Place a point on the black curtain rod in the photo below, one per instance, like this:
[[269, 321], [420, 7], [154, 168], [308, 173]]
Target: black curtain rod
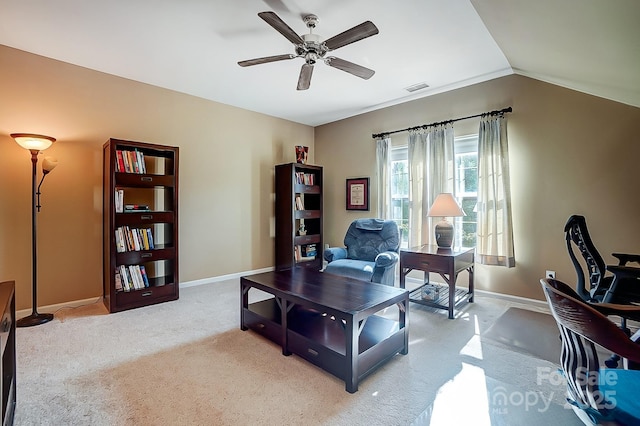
[[425, 126]]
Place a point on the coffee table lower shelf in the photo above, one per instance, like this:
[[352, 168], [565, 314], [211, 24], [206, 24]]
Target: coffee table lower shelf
[[321, 339]]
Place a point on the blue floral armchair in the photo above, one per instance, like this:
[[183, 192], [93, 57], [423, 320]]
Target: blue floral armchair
[[371, 252]]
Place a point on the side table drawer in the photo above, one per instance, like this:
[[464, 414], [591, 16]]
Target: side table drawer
[[424, 263]]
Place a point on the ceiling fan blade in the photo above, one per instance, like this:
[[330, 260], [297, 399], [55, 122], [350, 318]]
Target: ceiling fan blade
[[274, 20], [304, 81], [364, 30], [350, 67], [265, 60]]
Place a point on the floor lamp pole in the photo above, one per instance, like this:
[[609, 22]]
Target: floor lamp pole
[[35, 318]]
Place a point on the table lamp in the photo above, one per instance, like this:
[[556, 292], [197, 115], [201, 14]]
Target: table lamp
[[445, 206]]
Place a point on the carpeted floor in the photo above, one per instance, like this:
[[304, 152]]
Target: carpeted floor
[[530, 332], [188, 363]]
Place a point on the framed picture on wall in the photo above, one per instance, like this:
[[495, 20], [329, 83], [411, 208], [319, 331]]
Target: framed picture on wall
[[358, 194]]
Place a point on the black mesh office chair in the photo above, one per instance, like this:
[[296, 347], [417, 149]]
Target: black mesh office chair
[[620, 286]]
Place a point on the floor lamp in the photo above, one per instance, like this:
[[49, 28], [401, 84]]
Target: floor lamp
[[35, 144]]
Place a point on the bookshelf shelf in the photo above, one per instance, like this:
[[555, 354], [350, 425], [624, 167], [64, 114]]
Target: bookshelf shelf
[[298, 201], [140, 224]]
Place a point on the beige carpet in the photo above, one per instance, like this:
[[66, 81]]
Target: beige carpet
[[188, 363], [531, 332]]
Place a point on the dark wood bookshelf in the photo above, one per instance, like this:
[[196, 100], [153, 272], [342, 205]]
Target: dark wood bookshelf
[[289, 217], [8, 344], [155, 185]]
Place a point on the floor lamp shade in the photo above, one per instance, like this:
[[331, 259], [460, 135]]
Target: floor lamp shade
[[445, 206], [35, 143]]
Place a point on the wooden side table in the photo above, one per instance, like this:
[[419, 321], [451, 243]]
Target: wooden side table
[[446, 262]]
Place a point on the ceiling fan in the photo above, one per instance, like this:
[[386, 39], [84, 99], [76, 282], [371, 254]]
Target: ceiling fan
[[311, 49]]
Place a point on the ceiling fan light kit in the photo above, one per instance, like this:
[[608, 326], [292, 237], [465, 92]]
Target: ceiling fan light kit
[[311, 49]]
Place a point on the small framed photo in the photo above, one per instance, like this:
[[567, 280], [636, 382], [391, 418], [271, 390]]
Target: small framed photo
[[358, 194]]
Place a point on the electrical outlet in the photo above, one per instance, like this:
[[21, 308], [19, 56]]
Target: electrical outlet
[[550, 274]]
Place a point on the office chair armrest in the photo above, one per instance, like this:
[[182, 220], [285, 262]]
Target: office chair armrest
[[623, 258], [624, 271], [624, 311]]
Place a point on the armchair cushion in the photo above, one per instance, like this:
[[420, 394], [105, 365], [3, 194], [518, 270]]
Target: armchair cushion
[[358, 269]]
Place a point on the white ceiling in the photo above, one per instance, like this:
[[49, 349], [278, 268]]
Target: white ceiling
[[193, 46]]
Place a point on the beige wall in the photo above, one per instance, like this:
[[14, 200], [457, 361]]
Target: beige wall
[[570, 153], [227, 159]]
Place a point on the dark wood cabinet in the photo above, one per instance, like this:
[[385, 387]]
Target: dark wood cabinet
[[8, 344], [298, 216], [140, 224]]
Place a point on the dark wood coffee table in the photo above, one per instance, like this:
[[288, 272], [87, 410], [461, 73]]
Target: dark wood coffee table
[[328, 320]]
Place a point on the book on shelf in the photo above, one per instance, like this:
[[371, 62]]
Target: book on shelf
[[300, 254], [305, 178], [145, 277], [136, 208], [118, 281], [299, 203], [125, 278], [119, 200], [309, 250], [136, 239], [128, 161], [131, 277]]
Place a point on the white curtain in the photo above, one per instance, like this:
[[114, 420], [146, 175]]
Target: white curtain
[[495, 231], [431, 171], [383, 168]]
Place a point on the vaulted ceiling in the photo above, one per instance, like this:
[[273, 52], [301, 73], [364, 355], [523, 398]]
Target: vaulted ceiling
[[193, 46]]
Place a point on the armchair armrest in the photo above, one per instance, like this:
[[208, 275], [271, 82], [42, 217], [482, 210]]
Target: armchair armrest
[[335, 253], [623, 258], [387, 259]]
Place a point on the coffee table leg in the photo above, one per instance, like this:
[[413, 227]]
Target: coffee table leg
[[351, 332], [471, 289], [244, 303], [285, 306], [404, 312]]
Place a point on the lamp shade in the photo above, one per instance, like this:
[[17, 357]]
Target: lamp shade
[[33, 142], [445, 206], [49, 164]]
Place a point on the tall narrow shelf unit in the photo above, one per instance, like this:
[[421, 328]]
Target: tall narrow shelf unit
[[298, 201], [140, 224], [8, 345]]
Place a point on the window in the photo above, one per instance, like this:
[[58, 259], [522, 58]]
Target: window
[[466, 190], [400, 193]]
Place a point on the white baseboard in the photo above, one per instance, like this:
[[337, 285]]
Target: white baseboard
[[76, 303], [223, 277], [50, 309], [535, 302]]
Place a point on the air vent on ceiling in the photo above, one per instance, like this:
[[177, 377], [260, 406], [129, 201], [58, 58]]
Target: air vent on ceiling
[[416, 87]]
